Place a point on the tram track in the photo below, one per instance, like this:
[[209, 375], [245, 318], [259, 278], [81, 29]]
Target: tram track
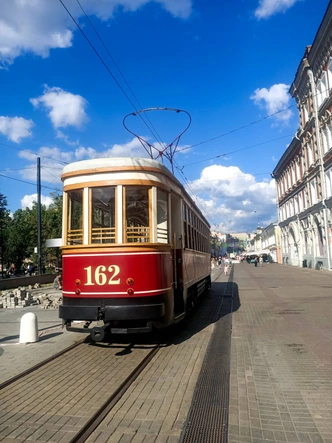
[[99, 416], [39, 365], [69, 394]]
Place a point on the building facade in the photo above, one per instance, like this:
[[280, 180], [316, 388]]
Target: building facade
[[266, 240], [304, 173]]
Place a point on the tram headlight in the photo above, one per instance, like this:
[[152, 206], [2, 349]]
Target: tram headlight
[[130, 281], [77, 282]]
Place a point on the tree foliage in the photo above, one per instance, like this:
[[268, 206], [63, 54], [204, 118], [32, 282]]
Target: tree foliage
[[21, 237]]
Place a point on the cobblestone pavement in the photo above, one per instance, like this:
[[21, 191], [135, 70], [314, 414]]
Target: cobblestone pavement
[[281, 356], [15, 357]]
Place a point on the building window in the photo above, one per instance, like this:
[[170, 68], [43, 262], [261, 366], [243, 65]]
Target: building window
[[293, 174], [300, 198], [327, 137], [310, 154], [296, 205], [322, 88], [298, 171], [328, 182], [313, 192], [305, 112], [329, 73]]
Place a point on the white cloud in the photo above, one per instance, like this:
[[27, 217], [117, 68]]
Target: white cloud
[[65, 138], [53, 159], [229, 198], [32, 26], [28, 200], [130, 149], [15, 128], [37, 26], [66, 109], [274, 101], [267, 8]]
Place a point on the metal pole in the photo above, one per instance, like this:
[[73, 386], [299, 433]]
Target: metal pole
[[40, 270], [1, 237]]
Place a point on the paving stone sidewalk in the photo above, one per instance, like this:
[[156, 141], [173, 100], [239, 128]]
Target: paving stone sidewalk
[[281, 356], [16, 357]]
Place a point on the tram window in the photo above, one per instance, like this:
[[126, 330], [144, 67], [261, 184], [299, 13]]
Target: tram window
[[162, 216], [137, 214], [103, 215], [75, 217]]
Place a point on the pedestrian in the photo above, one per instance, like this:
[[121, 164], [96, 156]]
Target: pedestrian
[[226, 266], [256, 261], [261, 261], [58, 282], [219, 262], [30, 269]]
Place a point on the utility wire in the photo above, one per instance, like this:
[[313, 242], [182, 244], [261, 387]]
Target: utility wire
[[241, 127], [157, 136], [238, 150], [106, 66], [29, 183], [33, 153]]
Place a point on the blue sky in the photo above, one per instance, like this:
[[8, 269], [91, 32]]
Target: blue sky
[[229, 64]]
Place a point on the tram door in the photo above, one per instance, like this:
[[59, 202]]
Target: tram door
[[176, 226]]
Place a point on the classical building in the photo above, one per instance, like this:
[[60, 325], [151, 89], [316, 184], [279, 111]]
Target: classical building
[[304, 173], [265, 240]]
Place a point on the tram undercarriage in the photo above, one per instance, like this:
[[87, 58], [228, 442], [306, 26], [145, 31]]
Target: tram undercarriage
[[130, 318]]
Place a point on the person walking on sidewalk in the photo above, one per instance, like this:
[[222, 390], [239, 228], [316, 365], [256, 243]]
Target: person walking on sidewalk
[[226, 266], [260, 260]]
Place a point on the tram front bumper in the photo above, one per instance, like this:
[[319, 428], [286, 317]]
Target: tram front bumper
[[112, 313]]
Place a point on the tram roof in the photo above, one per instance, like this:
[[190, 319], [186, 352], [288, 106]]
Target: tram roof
[[114, 162]]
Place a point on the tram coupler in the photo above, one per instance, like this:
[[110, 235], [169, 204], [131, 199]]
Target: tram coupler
[[97, 333]]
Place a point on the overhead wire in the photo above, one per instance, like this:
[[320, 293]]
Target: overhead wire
[[28, 183], [106, 66], [34, 153], [157, 136], [241, 127], [237, 150]]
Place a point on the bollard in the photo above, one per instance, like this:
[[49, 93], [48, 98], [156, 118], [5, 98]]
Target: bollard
[[29, 328]]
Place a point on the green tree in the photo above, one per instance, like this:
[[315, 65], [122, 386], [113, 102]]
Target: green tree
[[22, 237], [23, 233], [4, 221]]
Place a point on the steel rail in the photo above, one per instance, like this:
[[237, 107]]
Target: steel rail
[[93, 423], [39, 365]]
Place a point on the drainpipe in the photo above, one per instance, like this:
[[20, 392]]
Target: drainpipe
[[321, 162]]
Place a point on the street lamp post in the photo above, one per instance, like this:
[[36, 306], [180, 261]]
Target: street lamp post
[[257, 218], [1, 239]]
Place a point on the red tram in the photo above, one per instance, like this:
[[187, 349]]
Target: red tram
[[135, 246]]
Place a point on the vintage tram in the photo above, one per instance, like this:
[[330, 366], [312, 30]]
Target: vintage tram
[[135, 251]]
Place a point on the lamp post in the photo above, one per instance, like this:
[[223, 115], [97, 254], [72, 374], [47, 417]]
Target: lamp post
[[257, 218], [1, 239]]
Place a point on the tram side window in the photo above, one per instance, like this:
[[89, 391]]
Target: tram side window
[[75, 217], [185, 226], [103, 215], [137, 214], [162, 216]]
